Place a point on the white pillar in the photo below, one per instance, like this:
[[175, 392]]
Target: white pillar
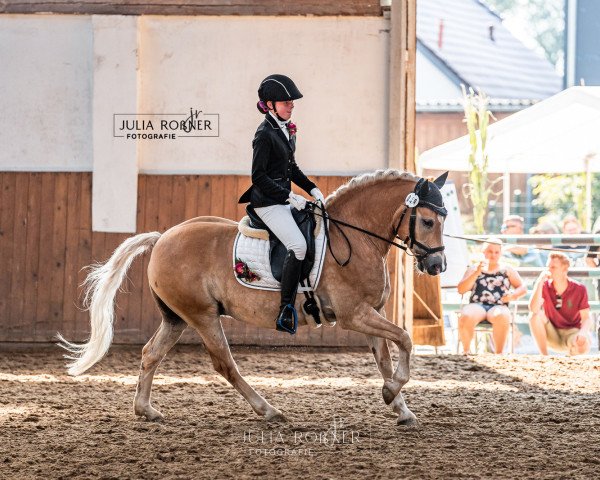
[[115, 88], [588, 193], [506, 195]]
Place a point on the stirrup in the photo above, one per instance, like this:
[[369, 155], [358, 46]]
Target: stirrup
[[280, 326]]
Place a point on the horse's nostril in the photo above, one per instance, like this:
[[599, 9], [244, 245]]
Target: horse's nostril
[[434, 269]]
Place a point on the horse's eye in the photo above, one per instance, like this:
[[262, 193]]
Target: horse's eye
[[427, 222]]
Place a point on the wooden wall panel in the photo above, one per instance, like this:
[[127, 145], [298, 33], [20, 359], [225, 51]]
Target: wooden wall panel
[[46, 241]]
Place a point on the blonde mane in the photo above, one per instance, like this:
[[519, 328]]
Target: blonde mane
[[369, 178]]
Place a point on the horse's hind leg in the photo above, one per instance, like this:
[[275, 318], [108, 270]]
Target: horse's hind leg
[[211, 331], [170, 330]]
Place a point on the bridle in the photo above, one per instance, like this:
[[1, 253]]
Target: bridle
[[413, 201]]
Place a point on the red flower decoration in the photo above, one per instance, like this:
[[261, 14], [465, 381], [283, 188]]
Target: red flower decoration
[[243, 271], [292, 128]]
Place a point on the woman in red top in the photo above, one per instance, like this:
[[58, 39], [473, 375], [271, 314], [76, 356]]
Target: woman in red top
[[560, 312]]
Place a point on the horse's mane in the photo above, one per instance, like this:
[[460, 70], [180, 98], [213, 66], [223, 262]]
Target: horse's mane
[[369, 178]]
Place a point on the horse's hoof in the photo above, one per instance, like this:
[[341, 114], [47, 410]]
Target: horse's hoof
[[150, 414], [388, 396], [155, 417], [276, 418], [408, 422]]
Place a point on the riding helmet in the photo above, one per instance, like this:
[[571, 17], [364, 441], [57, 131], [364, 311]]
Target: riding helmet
[[278, 88]]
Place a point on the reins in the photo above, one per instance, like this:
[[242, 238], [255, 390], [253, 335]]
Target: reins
[[337, 222], [412, 201]]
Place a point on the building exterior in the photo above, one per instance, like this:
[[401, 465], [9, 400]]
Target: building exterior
[[463, 42]]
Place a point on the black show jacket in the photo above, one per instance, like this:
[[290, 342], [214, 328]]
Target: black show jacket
[[273, 167]]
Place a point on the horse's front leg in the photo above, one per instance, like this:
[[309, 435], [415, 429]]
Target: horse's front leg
[[377, 328]]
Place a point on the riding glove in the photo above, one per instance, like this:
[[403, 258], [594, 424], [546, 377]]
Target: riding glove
[[297, 201], [318, 195]]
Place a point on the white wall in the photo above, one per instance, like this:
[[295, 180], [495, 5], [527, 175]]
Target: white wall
[[45, 92], [63, 77], [216, 64]]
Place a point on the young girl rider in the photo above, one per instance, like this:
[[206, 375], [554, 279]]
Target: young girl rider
[[273, 170]]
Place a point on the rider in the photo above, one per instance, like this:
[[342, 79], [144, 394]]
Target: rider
[[273, 170]]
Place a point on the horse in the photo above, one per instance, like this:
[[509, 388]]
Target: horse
[[192, 282]]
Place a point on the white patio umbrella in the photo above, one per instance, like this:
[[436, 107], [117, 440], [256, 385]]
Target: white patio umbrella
[[558, 135]]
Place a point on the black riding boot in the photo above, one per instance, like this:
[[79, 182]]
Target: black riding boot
[[287, 320]]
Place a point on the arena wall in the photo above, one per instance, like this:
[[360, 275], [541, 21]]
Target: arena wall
[[71, 191], [46, 239]]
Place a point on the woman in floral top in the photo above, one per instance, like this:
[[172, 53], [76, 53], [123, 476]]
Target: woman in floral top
[[492, 286]]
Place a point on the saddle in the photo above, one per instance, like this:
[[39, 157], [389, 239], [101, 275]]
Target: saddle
[[305, 220]]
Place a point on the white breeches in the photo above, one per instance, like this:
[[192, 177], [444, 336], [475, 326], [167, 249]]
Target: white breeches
[[279, 219]]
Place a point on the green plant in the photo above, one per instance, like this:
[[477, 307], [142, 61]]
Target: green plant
[[562, 194], [478, 189]]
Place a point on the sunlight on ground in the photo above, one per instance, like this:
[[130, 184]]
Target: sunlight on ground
[[333, 382], [5, 411]]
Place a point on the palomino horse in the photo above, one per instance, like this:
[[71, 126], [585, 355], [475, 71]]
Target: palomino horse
[[191, 277]]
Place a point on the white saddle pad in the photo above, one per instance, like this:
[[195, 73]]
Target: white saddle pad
[[252, 247]]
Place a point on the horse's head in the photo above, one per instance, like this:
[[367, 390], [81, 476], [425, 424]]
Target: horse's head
[[426, 225], [428, 231]]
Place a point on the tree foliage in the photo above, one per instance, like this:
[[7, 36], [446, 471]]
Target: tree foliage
[[565, 194], [545, 18]]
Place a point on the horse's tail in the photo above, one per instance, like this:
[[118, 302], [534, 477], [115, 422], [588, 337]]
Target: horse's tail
[[101, 287]]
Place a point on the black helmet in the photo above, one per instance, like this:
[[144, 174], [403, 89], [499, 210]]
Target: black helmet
[[278, 88]]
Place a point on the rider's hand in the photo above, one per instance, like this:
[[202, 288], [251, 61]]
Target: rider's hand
[[297, 201], [318, 195]]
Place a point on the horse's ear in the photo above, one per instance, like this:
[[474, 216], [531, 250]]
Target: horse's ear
[[424, 189], [441, 180]]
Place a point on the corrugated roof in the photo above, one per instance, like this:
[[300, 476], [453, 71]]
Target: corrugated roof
[[503, 68]]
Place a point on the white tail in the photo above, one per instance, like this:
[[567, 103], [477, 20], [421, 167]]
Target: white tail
[[101, 287]]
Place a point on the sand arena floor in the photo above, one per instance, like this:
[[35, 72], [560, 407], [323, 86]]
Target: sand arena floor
[[480, 417]]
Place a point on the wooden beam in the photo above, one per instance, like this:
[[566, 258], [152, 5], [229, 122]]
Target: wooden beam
[[197, 7], [401, 139], [410, 99], [397, 84]]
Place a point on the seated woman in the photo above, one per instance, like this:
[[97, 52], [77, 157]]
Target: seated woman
[[490, 285]]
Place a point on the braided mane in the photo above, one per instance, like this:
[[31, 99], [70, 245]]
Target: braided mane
[[367, 179]]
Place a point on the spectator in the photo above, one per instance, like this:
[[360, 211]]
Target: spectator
[[570, 225], [592, 259], [544, 228], [560, 312], [514, 254], [490, 284]]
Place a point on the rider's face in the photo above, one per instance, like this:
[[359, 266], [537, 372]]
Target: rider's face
[[284, 109]]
